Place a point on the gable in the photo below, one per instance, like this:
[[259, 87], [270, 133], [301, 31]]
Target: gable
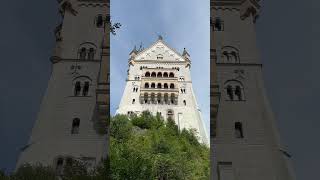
[[159, 51]]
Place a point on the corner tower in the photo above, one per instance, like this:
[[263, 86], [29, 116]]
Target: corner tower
[[245, 141], [159, 81], [69, 120]]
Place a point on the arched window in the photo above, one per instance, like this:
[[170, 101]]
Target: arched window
[[153, 74], [173, 98], [87, 51], [159, 98], [185, 102], [159, 74], [146, 85], [230, 55], [165, 74], [238, 93], [166, 98], [171, 86], [145, 98], [85, 89], [153, 85], [99, 21], [59, 166], [147, 74], [133, 101], [75, 126], [171, 74], [238, 133], [153, 100], [81, 85], [234, 90], [91, 54], [83, 53], [159, 86], [230, 92], [165, 86], [77, 88]]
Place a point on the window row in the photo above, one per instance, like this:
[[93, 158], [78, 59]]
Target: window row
[[234, 91], [86, 54], [159, 99], [159, 85], [159, 74]]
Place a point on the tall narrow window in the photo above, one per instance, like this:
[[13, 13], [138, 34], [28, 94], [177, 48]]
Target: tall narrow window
[[75, 126], [238, 130], [159, 98], [145, 98], [85, 91], [83, 53], [91, 54], [230, 92], [166, 98], [185, 102], [133, 101], [238, 93], [77, 88], [59, 166], [173, 98], [153, 100], [99, 21]]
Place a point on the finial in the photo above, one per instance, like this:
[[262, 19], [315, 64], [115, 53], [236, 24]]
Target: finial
[[141, 47], [185, 52], [160, 37], [134, 50]]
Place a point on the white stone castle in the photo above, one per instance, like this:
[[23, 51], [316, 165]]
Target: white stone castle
[[159, 81], [76, 100], [244, 139]]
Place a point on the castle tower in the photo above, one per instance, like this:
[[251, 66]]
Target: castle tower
[[159, 81], [245, 142], [69, 120]]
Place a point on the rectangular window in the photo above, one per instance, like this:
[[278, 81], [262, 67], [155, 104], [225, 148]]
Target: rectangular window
[[225, 171], [238, 130]]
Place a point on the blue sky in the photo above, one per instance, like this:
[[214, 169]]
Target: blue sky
[[182, 23]]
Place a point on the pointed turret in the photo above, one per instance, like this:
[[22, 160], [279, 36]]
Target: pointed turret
[[133, 53], [185, 54]]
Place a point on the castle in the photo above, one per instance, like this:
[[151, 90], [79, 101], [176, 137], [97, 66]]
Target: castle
[[159, 81]]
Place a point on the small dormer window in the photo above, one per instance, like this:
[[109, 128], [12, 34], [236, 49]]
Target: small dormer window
[[160, 56]]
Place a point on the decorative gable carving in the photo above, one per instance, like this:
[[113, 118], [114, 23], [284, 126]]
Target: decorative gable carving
[[159, 51]]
